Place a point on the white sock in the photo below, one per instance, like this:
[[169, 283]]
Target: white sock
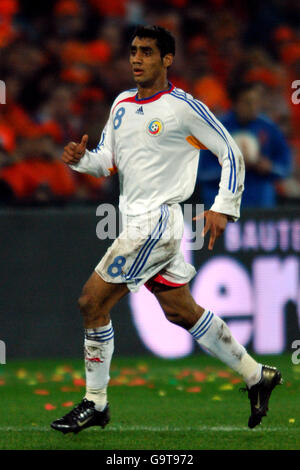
[[98, 351], [212, 332]]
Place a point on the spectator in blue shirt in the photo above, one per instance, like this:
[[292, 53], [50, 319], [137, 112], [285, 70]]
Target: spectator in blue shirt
[[266, 153]]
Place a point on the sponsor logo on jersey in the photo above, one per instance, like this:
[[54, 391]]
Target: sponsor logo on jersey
[[155, 127], [140, 110]]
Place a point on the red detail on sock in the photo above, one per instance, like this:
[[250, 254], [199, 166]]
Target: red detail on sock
[[94, 359]]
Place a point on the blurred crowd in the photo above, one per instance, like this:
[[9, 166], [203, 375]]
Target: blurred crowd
[[63, 62]]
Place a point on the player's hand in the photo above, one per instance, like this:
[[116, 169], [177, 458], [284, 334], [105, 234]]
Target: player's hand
[[215, 222], [263, 166], [74, 152]]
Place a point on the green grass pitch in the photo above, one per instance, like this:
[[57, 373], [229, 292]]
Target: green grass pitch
[[187, 404]]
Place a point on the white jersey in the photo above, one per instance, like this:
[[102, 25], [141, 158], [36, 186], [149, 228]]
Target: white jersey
[[154, 145]]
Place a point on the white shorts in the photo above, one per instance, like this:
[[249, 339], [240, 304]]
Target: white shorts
[[148, 250]]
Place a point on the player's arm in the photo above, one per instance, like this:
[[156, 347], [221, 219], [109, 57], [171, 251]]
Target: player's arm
[[212, 135]]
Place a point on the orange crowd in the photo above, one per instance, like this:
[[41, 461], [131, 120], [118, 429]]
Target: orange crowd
[[63, 62]]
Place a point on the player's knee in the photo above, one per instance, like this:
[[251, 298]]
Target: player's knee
[[90, 308], [85, 304]]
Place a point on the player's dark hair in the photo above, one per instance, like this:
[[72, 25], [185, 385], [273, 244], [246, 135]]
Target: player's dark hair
[[164, 39], [236, 90]]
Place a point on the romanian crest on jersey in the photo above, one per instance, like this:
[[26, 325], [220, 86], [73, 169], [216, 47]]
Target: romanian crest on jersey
[[155, 127]]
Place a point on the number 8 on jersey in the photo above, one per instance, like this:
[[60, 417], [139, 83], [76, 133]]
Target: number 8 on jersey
[[118, 118]]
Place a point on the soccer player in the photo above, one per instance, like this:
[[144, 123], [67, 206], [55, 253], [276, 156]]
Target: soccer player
[[271, 161], [152, 138]]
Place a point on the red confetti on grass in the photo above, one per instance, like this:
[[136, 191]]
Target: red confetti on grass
[[136, 382], [194, 389], [68, 403], [41, 392], [235, 381], [199, 376], [120, 380], [113, 382], [49, 407], [224, 374], [79, 382], [128, 371], [184, 373], [69, 389], [2, 382]]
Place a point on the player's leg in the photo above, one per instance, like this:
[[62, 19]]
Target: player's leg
[[211, 331], [208, 329], [97, 299]]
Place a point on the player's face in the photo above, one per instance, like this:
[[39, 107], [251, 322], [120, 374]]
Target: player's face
[[146, 62], [247, 106]]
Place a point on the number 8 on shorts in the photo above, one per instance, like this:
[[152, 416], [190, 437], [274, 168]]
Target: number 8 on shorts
[[115, 268]]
